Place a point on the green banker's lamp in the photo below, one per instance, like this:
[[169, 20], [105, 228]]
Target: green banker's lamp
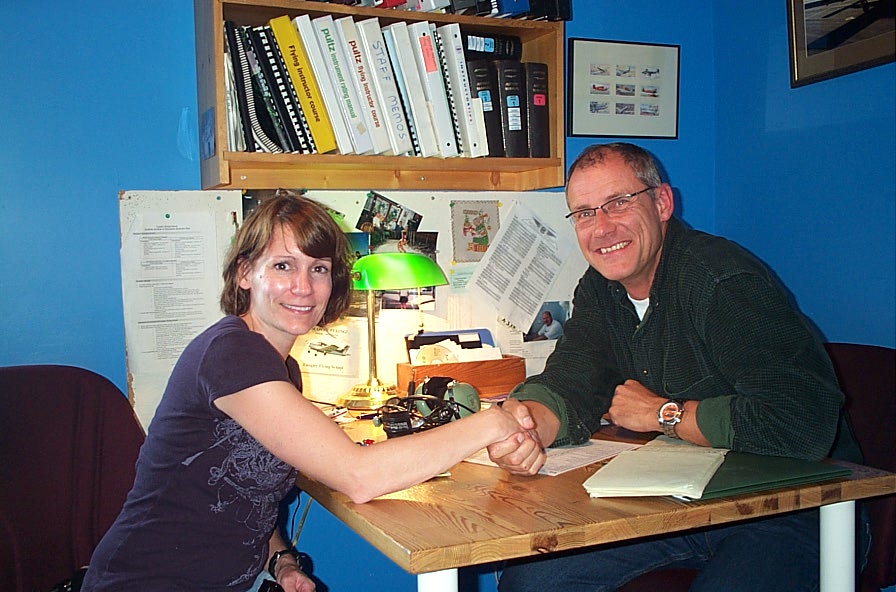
[[377, 272]]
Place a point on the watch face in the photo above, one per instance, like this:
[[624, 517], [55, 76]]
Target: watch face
[[670, 412]]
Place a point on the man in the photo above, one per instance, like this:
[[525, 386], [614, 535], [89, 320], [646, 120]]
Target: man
[[549, 329], [685, 333]]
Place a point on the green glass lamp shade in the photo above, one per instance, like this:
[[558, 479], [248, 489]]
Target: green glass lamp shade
[[396, 271], [377, 272]]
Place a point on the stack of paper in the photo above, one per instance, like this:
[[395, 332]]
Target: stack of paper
[[660, 467]]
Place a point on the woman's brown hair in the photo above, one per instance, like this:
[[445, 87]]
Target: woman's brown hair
[[316, 235]]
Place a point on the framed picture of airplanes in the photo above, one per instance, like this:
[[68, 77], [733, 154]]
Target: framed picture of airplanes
[[622, 89], [829, 38]]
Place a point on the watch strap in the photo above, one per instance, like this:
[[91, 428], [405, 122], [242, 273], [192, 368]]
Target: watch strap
[[670, 426], [272, 564], [670, 430]]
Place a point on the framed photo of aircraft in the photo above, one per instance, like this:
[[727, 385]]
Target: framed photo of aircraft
[[830, 38], [621, 88]]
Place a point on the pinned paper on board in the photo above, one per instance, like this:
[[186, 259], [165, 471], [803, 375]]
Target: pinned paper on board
[[474, 225]]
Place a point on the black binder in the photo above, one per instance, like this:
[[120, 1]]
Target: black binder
[[512, 97], [277, 78], [537, 112], [265, 109], [482, 46], [462, 6], [233, 51], [257, 139], [484, 84]]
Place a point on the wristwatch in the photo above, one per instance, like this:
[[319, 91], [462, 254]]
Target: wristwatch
[[272, 564], [669, 415]]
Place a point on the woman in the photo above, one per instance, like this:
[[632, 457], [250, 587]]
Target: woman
[[232, 428]]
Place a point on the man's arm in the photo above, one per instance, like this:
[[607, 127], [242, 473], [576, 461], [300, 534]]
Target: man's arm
[[783, 398]]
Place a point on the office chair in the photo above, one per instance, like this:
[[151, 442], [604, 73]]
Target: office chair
[[867, 376], [68, 443]]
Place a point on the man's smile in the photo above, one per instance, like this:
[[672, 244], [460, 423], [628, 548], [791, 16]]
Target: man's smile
[[616, 247]]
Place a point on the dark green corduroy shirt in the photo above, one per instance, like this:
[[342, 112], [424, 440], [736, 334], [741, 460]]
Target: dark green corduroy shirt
[[720, 330]]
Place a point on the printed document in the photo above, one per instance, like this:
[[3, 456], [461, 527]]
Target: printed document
[[567, 458], [520, 267]]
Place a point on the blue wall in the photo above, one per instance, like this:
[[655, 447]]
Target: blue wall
[[99, 96], [805, 177], [91, 99]]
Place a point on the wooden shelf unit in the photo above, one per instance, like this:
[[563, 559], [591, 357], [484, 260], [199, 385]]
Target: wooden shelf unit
[[543, 41]]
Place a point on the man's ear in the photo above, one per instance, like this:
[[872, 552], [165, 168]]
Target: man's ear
[[665, 201]]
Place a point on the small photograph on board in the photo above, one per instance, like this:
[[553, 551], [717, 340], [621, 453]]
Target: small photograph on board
[[391, 226], [548, 324], [411, 299], [394, 228], [424, 242], [359, 243]]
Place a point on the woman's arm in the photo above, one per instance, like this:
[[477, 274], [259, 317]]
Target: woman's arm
[[296, 431]]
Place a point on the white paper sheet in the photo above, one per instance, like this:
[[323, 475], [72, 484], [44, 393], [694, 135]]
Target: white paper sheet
[[520, 267], [561, 460]]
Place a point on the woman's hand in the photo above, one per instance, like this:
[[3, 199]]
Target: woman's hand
[[293, 579], [522, 453]]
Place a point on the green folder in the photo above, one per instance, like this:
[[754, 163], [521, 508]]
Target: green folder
[[747, 473]]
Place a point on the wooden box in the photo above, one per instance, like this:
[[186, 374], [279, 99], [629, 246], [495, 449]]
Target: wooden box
[[490, 377]]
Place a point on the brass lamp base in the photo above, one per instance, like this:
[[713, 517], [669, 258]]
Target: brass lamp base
[[368, 396]]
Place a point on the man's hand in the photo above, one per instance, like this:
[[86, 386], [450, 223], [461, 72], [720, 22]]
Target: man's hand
[[520, 454], [634, 407]]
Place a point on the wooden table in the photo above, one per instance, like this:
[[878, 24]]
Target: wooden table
[[481, 514]]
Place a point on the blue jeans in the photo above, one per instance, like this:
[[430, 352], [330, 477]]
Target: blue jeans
[[764, 555]]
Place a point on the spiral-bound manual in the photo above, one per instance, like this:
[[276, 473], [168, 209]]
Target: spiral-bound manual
[[257, 140], [270, 62], [467, 119], [426, 56]]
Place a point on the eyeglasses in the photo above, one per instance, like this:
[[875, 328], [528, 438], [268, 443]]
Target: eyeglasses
[[612, 208]]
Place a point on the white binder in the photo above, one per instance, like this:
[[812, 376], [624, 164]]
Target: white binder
[[399, 43], [384, 83], [341, 73], [466, 115], [430, 70]]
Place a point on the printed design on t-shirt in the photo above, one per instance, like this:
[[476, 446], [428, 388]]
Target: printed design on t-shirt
[[249, 480]]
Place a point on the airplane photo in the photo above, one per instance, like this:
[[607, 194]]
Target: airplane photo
[[328, 348]]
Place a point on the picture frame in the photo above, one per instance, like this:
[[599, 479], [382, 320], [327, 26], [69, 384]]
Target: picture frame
[[622, 89], [830, 38]]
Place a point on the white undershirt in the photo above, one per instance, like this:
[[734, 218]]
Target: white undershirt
[[640, 306]]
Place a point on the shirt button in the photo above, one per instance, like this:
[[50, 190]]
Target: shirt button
[[645, 372]]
